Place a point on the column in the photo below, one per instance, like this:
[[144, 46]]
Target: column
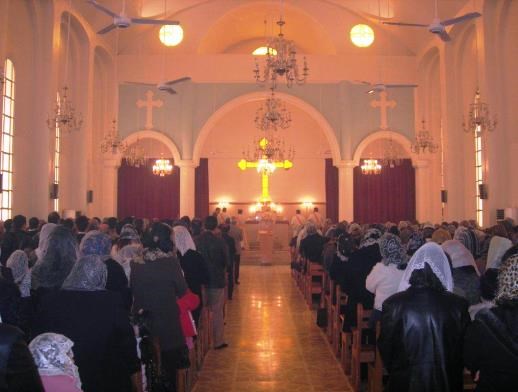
[[111, 164], [346, 190], [423, 191], [187, 201]]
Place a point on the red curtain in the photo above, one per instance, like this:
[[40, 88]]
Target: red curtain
[[145, 195], [389, 196], [201, 189], [331, 190]]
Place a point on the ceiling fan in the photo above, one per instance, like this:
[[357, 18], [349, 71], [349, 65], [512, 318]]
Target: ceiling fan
[[165, 86], [379, 87], [123, 21], [438, 26]]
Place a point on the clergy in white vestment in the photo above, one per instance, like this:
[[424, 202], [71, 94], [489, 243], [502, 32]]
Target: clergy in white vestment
[[296, 223], [317, 218]]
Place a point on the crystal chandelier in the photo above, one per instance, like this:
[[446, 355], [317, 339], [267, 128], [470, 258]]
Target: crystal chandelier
[[272, 115], [423, 141], [283, 64], [370, 166], [111, 141], [64, 115], [478, 117], [162, 167], [135, 156], [267, 150], [391, 157]]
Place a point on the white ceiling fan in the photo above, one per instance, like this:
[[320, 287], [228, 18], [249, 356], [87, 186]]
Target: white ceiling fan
[[123, 21], [379, 87], [438, 26], [164, 86]]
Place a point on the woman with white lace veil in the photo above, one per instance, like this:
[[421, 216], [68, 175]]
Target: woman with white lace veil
[[422, 327], [53, 356]]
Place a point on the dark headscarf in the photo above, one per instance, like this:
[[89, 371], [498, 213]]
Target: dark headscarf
[[415, 241], [95, 243], [391, 249], [89, 274], [160, 238]]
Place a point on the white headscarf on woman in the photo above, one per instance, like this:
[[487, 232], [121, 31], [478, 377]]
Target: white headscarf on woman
[[43, 243], [433, 255], [183, 240], [497, 247], [18, 262], [53, 356], [460, 255]]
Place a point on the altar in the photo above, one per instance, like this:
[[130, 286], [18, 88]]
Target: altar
[[280, 234]]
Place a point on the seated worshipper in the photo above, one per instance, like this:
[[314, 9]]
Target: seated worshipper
[[54, 358], [356, 233], [466, 278], [99, 244], [156, 284], [193, 265], [467, 237], [354, 274], [491, 344], [18, 263], [43, 240], [423, 326], [383, 280], [488, 286], [345, 246], [440, 236], [329, 252], [428, 230], [97, 322], [58, 256], [81, 226], [312, 246], [415, 241], [231, 246], [497, 247], [129, 248], [13, 238]]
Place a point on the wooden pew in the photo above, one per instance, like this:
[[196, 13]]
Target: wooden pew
[[314, 275], [375, 369], [360, 353]]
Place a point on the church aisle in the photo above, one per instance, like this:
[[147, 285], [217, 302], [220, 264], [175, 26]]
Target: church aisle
[[275, 344]]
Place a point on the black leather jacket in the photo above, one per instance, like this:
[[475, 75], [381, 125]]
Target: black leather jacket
[[421, 340], [215, 253]]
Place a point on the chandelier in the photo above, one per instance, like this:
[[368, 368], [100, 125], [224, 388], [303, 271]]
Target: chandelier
[[266, 151], [423, 141], [134, 155], [478, 117], [162, 167], [370, 166], [272, 115], [281, 62], [111, 141], [64, 116], [391, 157]]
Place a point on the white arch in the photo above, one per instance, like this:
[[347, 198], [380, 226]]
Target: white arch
[[159, 136], [402, 140], [259, 96]]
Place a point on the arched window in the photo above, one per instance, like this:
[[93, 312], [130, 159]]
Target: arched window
[[57, 153], [6, 144]]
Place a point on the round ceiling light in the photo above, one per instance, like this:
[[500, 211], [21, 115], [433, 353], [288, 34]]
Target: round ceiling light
[[171, 35], [362, 35]]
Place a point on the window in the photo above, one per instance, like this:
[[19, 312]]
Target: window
[[479, 176], [6, 145], [57, 152]]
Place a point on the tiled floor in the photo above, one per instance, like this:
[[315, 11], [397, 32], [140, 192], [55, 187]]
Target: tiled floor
[[275, 344]]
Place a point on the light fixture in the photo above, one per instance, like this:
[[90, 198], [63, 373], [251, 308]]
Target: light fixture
[[479, 119], [268, 150], [391, 157], [111, 142], [272, 115], [262, 50], [283, 64], [362, 35], [171, 35], [370, 167], [64, 115], [423, 141], [162, 167], [135, 155], [223, 204]]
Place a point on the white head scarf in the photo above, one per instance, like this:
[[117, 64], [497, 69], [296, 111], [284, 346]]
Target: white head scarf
[[129, 253], [497, 247], [433, 255], [460, 255], [18, 262], [53, 356], [183, 240], [43, 243]]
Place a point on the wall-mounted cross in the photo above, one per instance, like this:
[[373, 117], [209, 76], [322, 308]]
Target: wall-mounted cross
[[383, 104], [149, 104]]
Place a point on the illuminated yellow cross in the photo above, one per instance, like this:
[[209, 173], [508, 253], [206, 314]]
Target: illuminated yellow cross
[[266, 167]]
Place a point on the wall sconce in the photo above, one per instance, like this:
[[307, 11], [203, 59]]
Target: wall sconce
[[223, 204]]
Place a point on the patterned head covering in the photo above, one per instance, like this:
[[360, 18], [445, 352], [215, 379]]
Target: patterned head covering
[[89, 274], [415, 241], [95, 243], [183, 239], [53, 356], [371, 237], [391, 249], [129, 232], [508, 281], [18, 262], [43, 243], [440, 236]]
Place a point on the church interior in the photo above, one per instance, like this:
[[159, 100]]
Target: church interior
[[366, 111]]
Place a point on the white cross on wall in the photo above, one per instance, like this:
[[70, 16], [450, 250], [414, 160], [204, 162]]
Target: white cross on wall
[[149, 104], [383, 104]]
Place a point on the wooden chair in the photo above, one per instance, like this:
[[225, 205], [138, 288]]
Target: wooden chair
[[375, 369], [360, 353], [314, 275], [329, 297], [338, 318]]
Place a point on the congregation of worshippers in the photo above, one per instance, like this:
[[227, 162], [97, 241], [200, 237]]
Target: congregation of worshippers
[[91, 304]]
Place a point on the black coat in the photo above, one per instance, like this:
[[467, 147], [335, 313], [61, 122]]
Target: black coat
[[196, 275], [312, 247], [105, 348], [118, 282], [421, 340], [12, 242], [491, 347], [215, 253]]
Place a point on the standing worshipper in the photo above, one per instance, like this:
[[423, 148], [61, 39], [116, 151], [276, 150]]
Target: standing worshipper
[[231, 246], [423, 326], [237, 234], [215, 253], [14, 238], [297, 222], [317, 218], [34, 226], [18, 263], [128, 249]]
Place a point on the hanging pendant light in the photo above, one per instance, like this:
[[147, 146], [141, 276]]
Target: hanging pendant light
[[423, 141], [479, 118], [162, 167], [370, 167]]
